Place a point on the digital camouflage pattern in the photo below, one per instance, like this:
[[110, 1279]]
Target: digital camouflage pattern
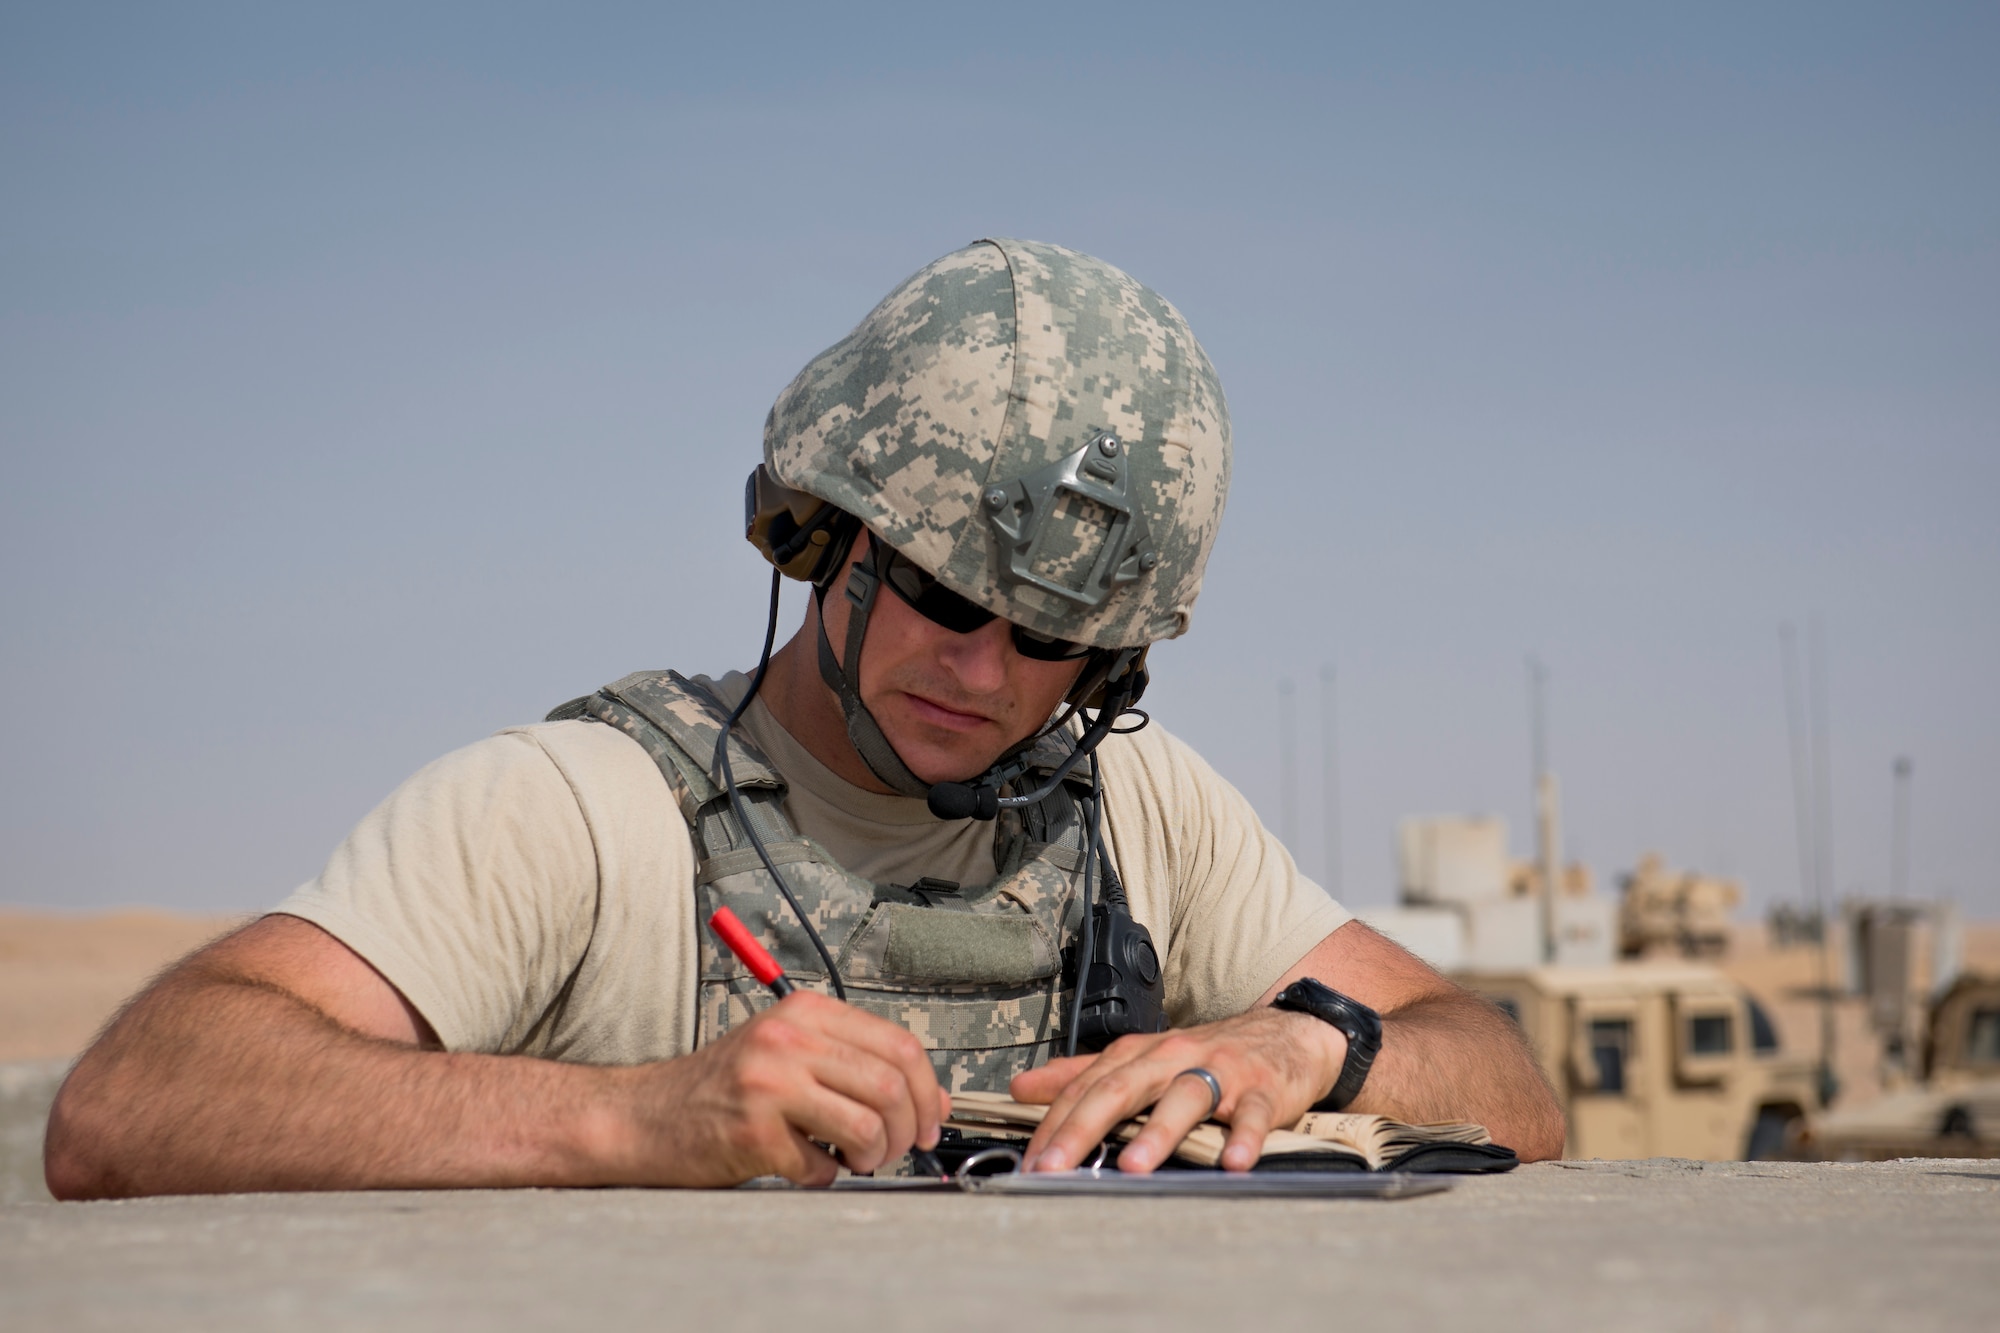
[[992, 364], [974, 974]]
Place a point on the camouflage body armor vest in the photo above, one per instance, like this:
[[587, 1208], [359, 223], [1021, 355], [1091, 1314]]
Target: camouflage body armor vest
[[974, 972]]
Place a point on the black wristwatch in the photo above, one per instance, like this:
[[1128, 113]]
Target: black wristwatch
[[1362, 1025]]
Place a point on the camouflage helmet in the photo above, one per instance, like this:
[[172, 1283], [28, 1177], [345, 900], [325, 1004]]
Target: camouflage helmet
[[1034, 428]]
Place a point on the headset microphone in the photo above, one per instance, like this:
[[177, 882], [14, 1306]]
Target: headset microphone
[[982, 800], [962, 800]]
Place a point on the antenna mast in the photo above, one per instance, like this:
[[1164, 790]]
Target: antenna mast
[[1899, 850], [1288, 765], [1811, 799], [1329, 737], [1548, 811]]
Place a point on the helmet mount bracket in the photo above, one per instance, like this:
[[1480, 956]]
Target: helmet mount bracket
[[1026, 512]]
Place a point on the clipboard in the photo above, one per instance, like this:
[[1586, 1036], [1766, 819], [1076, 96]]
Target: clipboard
[[1109, 1182]]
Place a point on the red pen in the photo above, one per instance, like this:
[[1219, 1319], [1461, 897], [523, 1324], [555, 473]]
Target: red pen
[[750, 953]]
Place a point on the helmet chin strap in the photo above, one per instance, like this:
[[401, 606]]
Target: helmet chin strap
[[864, 583]]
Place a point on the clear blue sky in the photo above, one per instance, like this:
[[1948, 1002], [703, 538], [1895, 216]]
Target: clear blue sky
[[373, 379]]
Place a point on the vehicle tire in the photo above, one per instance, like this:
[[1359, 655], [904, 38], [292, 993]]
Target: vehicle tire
[[1771, 1135], [1956, 1124]]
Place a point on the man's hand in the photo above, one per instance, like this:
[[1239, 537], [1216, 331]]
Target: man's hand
[[1446, 1055], [808, 1070], [1272, 1065]]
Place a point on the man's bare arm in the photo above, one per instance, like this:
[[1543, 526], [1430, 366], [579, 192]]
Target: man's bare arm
[[277, 1058], [1446, 1055]]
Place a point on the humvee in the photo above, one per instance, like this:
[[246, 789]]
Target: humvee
[[1658, 1059], [1955, 1111]]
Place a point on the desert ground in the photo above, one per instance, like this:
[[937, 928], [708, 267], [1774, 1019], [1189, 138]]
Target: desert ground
[[62, 977]]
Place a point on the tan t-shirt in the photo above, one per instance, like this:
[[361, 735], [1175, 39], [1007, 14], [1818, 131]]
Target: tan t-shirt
[[534, 892]]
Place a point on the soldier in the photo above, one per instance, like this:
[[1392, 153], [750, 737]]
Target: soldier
[[938, 807]]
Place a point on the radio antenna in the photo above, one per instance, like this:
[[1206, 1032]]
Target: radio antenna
[[1329, 758], [1548, 815], [1806, 719], [1288, 765], [1899, 850], [1801, 746]]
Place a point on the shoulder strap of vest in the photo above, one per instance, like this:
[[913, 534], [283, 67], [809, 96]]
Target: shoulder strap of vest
[[677, 722]]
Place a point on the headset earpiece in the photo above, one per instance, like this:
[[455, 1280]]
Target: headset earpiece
[[1124, 680], [801, 534]]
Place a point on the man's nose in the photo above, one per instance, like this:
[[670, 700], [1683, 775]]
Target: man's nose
[[979, 659]]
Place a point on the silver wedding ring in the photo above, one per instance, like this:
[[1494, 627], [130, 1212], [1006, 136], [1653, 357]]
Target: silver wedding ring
[[1214, 1086]]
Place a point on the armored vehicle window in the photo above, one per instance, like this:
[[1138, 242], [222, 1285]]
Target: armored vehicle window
[[1610, 1047], [1982, 1037], [1763, 1037], [1709, 1034]]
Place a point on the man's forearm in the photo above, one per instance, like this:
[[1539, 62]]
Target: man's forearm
[[1450, 1056], [211, 1083]]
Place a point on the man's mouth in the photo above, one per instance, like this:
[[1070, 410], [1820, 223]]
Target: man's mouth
[[941, 715]]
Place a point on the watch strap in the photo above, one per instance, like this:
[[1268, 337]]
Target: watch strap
[[1353, 1073], [1361, 1026]]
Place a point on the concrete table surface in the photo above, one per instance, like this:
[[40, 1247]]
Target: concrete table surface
[[1664, 1244]]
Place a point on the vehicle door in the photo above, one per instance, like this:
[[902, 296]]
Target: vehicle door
[[1609, 1093], [1709, 1115]]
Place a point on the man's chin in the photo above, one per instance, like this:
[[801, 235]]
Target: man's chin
[[943, 764], [936, 757], [949, 772]]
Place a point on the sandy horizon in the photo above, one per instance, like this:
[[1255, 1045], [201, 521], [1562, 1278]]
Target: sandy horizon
[[63, 975]]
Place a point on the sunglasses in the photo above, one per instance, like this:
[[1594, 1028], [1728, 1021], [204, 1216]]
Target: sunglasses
[[922, 593]]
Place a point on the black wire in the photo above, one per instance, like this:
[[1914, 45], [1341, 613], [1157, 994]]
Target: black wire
[[1072, 704], [736, 801], [1089, 942], [1113, 891], [1140, 713]]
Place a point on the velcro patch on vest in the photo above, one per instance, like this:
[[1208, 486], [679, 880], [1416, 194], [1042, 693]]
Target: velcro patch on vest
[[966, 948]]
